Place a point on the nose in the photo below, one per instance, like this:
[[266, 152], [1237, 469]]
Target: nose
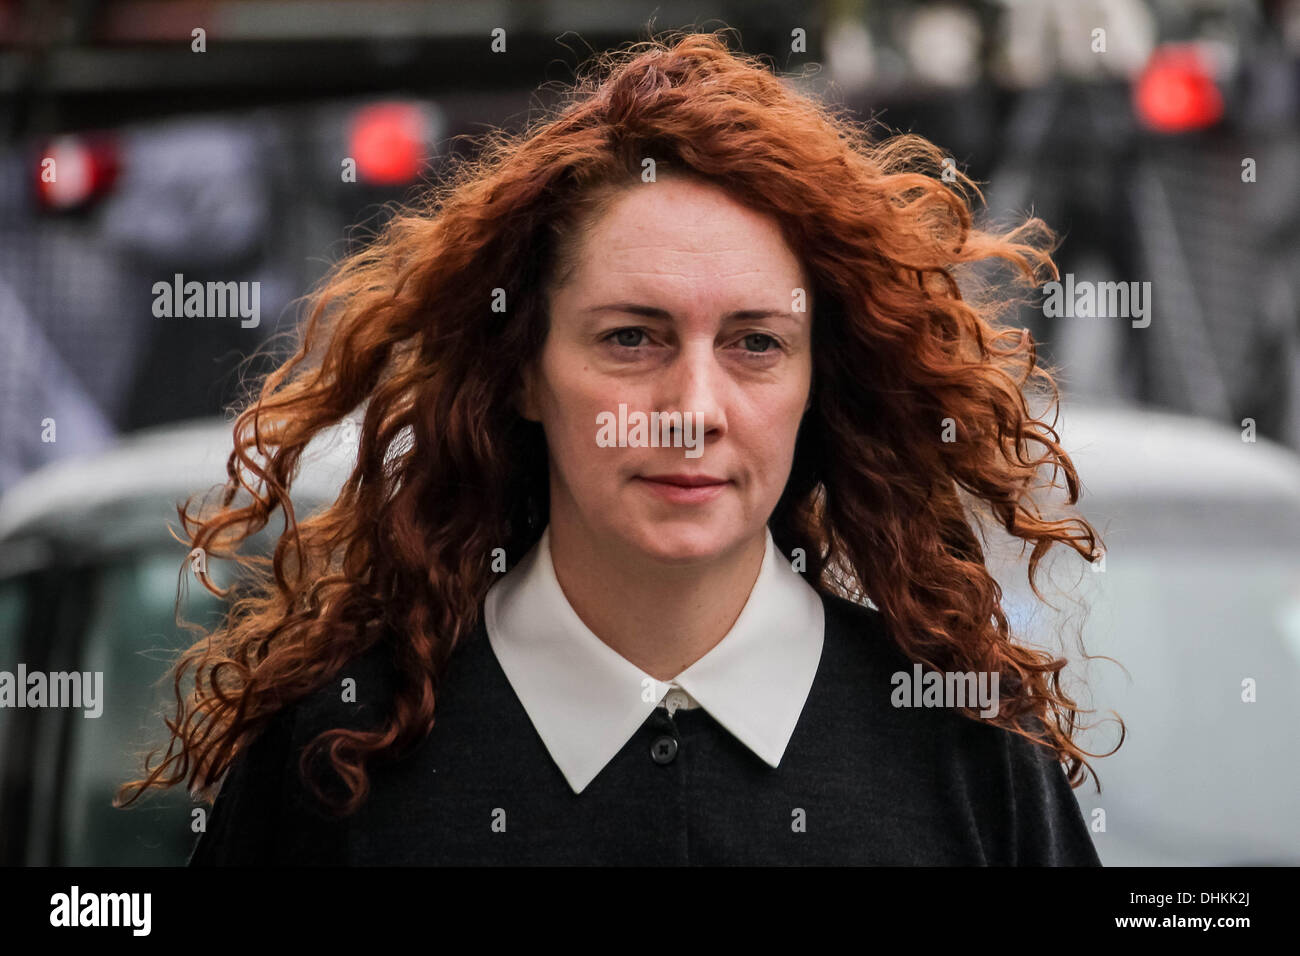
[[695, 382]]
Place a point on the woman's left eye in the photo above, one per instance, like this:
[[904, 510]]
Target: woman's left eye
[[761, 337], [615, 336]]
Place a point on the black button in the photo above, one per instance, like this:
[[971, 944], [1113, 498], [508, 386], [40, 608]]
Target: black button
[[664, 749]]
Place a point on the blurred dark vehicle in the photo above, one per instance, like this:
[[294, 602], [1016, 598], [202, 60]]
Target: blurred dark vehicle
[[88, 582]]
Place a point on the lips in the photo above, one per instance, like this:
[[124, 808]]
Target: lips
[[686, 481], [684, 490]]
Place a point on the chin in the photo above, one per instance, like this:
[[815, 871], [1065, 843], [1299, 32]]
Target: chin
[[685, 542]]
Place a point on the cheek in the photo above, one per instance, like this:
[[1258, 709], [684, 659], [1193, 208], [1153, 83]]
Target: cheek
[[777, 421], [571, 433], [565, 399], [580, 399]]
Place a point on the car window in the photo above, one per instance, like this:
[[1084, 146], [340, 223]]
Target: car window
[[131, 639], [13, 605]]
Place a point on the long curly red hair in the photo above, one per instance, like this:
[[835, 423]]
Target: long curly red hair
[[447, 471]]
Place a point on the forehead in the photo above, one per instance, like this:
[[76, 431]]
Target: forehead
[[687, 235]]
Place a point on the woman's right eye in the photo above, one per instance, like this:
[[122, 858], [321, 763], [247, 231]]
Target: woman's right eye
[[619, 337]]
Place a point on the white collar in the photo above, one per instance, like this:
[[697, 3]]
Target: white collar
[[586, 700]]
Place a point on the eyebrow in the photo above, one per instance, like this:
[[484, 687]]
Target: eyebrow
[[651, 312]]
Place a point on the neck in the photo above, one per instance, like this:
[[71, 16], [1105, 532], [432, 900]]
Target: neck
[[662, 618]]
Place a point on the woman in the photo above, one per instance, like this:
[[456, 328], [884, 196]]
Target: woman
[[656, 394]]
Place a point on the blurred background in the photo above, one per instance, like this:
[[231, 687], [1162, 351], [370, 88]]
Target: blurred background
[[239, 141]]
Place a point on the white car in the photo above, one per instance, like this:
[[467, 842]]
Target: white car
[[1198, 598]]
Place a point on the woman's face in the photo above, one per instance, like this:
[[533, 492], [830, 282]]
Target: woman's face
[[682, 301]]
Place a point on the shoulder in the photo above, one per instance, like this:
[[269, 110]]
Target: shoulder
[[1050, 829], [263, 812], [356, 698], [853, 697], [1014, 789], [859, 630], [859, 653]]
